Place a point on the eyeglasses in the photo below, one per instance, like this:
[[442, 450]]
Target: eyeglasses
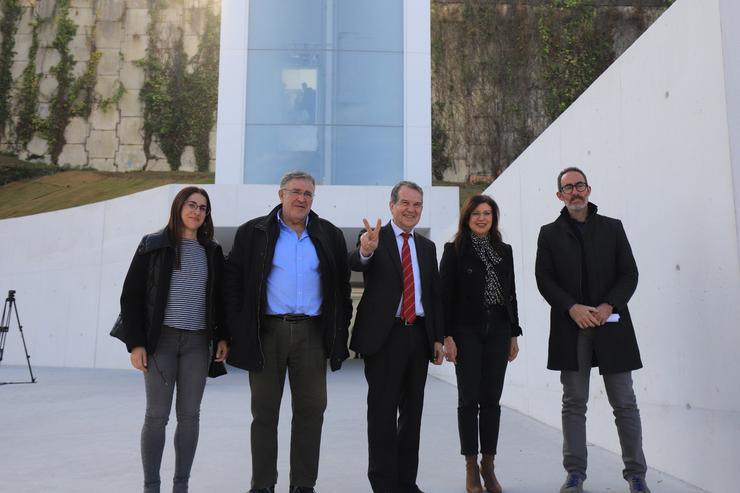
[[306, 195], [482, 214], [194, 207], [580, 186]]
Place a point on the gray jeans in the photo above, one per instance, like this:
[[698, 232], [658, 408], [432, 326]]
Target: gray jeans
[[624, 404], [181, 360], [298, 349]]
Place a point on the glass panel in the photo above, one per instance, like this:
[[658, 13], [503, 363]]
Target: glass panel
[[368, 156], [336, 114], [369, 89], [370, 25], [283, 87], [286, 24], [273, 150]]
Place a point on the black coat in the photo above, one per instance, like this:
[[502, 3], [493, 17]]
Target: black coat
[[245, 295], [612, 278], [463, 277], [147, 287], [376, 312]]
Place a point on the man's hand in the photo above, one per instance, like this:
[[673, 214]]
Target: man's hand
[[439, 353], [450, 349], [602, 312], [222, 351], [513, 349], [369, 239], [138, 358], [584, 316]]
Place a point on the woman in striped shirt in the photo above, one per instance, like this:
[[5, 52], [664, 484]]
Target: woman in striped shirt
[[170, 307]]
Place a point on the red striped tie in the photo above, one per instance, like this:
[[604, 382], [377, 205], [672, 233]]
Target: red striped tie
[[408, 307]]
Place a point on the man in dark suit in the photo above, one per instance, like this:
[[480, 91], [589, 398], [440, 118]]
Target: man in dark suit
[[398, 330], [586, 272]]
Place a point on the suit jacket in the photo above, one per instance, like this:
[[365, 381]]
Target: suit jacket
[[376, 312], [611, 277], [463, 277]]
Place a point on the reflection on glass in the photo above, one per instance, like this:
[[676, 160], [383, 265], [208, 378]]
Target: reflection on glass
[[325, 90], [273, 150], [368, 155]]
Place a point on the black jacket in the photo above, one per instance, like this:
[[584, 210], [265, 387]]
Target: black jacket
[[247, 269], [463, 277], [147, 286], [376, 312], [611, 277]]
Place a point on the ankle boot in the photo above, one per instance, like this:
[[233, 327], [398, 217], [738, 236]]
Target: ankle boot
[[489, 476], [472, 475]]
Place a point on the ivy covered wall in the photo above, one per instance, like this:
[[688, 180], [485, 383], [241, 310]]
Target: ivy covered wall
[[502, 71], [132, 84], [110, 84]]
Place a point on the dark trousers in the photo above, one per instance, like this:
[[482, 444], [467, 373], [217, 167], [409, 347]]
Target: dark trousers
[[482, 357], [396, 376], [298, 349], [181, 360]]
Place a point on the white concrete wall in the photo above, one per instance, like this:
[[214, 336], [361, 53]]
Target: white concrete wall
[[68, 266], [652, 135]]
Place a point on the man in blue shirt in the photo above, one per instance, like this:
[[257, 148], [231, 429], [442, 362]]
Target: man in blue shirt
[[287, 301]]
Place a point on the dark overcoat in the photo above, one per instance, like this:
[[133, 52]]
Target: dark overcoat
[[611, 277]]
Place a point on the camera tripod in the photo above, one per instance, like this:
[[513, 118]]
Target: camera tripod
[[8, 309]]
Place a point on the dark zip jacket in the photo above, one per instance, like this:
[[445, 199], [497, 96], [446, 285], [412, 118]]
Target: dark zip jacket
[[147, 286], [245, 295]]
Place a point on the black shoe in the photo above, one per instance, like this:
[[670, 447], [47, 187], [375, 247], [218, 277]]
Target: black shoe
[[271, 489], [301, 489]]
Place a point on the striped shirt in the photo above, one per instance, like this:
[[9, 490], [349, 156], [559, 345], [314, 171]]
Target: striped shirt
[[186, 303]]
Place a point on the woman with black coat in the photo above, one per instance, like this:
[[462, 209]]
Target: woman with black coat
[[481, 327], [170, 308]]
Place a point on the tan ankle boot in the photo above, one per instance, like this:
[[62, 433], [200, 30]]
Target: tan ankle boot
[[489, 476], [472, 475]]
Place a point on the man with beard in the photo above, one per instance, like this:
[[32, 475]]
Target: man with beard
[[586, 272]]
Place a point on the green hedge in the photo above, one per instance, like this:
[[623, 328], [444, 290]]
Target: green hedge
[[15, 171]]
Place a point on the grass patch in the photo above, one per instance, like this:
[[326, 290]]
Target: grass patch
[[74, 188]]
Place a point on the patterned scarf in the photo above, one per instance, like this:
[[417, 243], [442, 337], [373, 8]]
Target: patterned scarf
[[493, 294]]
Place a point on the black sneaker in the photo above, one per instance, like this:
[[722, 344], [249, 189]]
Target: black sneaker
[[637, 485], [573, 484]]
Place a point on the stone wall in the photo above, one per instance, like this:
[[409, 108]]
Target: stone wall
[[498, 65], [111, 139]]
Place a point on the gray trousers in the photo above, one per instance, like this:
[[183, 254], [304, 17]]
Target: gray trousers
[[624, 404], [181, 360], [298, 349]]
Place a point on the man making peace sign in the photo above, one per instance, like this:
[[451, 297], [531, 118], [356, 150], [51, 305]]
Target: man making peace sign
[[398, 330]]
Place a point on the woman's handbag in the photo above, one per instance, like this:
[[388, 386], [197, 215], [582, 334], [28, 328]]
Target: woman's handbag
[[118, 330], [216, 368]]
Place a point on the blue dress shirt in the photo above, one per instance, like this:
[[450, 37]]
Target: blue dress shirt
[[294, 283]]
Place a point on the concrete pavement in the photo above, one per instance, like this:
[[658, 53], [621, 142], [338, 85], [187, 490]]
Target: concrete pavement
[[77, 430]]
